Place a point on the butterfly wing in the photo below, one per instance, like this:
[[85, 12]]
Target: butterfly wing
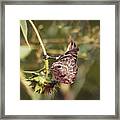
[[65, 69]]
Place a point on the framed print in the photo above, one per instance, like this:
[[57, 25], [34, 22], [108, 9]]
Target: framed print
[[58, 56]]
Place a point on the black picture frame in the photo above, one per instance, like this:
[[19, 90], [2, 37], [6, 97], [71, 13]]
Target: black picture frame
[[70, 2]]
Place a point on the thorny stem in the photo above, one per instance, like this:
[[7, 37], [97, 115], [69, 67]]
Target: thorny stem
[[43, 48]]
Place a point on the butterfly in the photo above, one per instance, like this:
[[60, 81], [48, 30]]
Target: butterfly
[[65, 68]]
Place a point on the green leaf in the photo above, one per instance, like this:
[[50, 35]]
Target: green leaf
[[24, 51], [23, 25]]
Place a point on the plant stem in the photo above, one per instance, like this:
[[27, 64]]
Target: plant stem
[[43, 48], [39, 38]]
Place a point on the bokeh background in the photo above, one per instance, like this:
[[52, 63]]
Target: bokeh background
[[54, 34]]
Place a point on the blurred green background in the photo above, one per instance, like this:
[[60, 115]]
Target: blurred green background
[[54, 34]]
